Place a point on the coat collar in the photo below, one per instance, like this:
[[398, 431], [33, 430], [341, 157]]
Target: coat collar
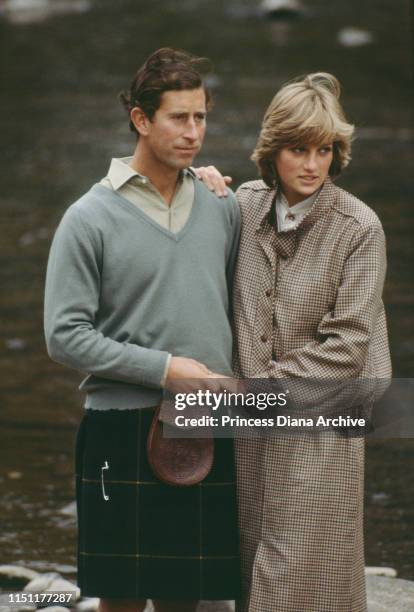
[[284, 243], [323, 202]]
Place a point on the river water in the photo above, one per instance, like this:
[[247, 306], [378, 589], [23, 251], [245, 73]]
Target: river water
[[63, 66]]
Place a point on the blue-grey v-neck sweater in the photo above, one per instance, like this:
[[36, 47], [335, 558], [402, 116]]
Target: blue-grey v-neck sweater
[[122, 292]]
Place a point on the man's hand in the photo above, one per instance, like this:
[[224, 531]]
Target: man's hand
[[187, 375], [183, 367], [213, 179]]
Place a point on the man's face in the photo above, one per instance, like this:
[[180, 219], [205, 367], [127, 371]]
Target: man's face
[[176, 132]]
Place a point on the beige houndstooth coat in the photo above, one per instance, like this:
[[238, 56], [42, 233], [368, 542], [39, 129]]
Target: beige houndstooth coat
[[307, 303]]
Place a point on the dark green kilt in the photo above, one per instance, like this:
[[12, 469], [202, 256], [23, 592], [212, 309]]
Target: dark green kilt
[[149, 540]]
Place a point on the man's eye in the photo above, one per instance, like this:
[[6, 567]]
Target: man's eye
[[297, 149], [200, 118], [325, 149]]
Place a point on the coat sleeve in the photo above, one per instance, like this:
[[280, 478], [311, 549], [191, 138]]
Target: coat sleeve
[[340, 347], [234, 240], [71, 306]]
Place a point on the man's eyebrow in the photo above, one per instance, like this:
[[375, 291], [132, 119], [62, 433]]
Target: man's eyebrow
[[186, 112]]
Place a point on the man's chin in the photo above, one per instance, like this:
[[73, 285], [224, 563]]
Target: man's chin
[[186, 156], [184, 162]]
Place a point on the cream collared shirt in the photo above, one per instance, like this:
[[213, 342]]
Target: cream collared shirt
[[139, 190], [289, 217]]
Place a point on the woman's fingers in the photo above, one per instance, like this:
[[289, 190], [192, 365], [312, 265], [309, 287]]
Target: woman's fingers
[[213, 180]]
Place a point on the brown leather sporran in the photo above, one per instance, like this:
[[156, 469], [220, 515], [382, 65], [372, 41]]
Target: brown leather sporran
[[180, 462]]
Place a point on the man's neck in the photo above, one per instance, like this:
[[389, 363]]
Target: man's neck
[[163, 178]]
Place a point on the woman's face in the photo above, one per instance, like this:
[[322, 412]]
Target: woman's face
[[303, 169]]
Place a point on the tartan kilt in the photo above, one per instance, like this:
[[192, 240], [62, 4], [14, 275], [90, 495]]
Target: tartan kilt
[[150, 540]]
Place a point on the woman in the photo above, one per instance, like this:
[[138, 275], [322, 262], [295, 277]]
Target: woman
[[307, 304]]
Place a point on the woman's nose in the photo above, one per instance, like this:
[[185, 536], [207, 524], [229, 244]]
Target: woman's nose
[[310, 162]]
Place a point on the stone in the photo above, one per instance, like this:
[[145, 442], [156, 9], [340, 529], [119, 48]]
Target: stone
[[57, 609], [354, 37], [15, 344], [389, 594], [20, 12], [46, 566], [281, 8], [69, 509], [89, 604], [381, 571], [6, 606], [16, 575], [52, 581]]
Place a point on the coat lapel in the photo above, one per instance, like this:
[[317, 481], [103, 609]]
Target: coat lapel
[[284, 243]]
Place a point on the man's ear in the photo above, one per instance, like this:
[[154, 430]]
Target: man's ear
[[140, 120]]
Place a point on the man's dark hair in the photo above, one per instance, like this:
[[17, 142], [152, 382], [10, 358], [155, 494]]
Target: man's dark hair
[[164, 70]]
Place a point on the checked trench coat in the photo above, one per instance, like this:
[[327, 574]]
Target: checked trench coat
[[307, 303]]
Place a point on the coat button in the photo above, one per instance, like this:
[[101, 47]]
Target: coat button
[[268, 292], [263, 338]]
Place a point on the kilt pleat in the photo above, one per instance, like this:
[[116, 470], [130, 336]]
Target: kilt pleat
[[148, 539]]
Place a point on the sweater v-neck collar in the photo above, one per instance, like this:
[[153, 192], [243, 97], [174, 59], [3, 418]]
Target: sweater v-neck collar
[[101, 190]]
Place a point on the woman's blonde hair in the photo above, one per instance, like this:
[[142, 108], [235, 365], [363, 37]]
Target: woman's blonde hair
[[305, 111]]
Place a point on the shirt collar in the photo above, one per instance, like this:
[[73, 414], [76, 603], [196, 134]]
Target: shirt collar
[[300, 208], [120, 172], [323, 201]]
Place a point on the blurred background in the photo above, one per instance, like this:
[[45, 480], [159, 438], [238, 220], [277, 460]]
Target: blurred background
[[63, 64]]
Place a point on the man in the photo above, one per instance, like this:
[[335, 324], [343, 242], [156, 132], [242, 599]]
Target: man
[[137, 297]]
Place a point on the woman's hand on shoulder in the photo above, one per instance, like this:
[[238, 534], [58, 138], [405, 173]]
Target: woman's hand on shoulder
[[213, 180]]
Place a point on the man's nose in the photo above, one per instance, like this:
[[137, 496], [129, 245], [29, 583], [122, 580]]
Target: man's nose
[[191, 131]]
